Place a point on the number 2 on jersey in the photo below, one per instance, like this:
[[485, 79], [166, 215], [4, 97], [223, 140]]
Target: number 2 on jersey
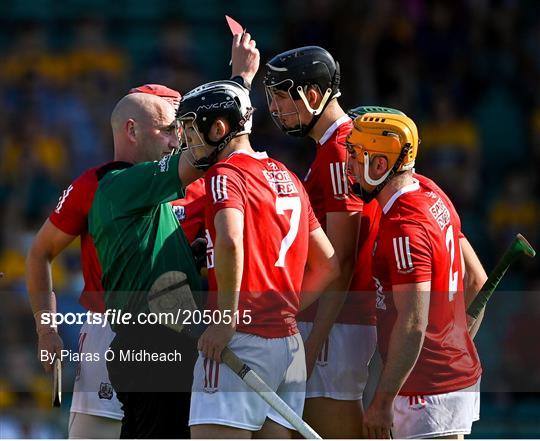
[[453, 276], [284, 204]]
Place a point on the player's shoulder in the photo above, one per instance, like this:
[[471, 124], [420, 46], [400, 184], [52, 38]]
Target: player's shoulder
[[87, 181], [241, 159], [409, 206], [89, 176], [336, 134], [343, 130], [278, 165], [111, 169], [419, 212], [245, 162], [228, 166], [431, 189], [332, 144]]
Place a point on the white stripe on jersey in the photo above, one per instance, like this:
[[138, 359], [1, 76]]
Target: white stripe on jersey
[[63, 198], [212, 185], [408, 251], [333, 178], [344, 174], [224, 187], [396, 253], [338, 177], [402, 253], [219, 188]]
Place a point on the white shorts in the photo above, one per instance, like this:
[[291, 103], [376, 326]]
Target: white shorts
[[427, 416], [219, 396], [341, 370], [93, 393]]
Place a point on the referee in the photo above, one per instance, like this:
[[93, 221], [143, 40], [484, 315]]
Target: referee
[[137, 238]]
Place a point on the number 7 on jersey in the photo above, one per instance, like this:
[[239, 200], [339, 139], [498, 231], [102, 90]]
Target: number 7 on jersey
[[284, 204]]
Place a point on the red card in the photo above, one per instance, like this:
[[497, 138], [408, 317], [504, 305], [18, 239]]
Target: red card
[[234, 26]]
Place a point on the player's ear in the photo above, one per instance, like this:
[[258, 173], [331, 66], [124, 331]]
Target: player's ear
[[378, 167], [313, 97], [130, 130], [219, 129]]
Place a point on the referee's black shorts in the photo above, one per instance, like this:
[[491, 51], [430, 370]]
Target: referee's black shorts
[[155, 396], [159, 415]]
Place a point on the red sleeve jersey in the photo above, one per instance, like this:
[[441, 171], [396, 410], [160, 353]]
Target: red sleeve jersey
[[418, 241], [277, 222], [71, 217], [190, 210], [362, 284], [328, 190]]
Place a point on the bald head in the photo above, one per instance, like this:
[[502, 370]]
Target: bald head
[[142, 125], [139, 107]]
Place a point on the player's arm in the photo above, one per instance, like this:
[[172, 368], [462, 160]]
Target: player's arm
[[229, 265], [245, 58], [322, 267], [342, 231], [474, 278], [186, 172], [412, 306], [48, 243]]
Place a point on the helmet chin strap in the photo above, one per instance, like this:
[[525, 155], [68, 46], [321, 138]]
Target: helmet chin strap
[[208, 161], [368, 179], [382, 181], [304, 130], [318, 110]]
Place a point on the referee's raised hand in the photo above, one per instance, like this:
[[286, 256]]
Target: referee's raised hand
[[245, 58]]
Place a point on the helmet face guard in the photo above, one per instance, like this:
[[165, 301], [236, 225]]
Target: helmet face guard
[[198, 111], [192, 142], [279, 116]]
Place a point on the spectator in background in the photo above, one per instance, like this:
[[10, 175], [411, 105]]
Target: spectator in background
[[30, 55], [96, 69], [515, 209], [451, 151], [520, 364], [173, 62], [535, 132]]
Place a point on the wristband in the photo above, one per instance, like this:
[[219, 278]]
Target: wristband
[[242, 81]]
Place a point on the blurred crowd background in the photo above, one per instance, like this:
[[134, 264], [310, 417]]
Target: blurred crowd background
[[466, 71]]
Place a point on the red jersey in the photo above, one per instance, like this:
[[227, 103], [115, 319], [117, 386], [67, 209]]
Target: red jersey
[[327, 186], [71, 217], [362, 288], [426, 182], [418, 241], [190, 210], [277, 221]]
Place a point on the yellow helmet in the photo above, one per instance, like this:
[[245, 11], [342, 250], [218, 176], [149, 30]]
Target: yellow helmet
[[391, 135]]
